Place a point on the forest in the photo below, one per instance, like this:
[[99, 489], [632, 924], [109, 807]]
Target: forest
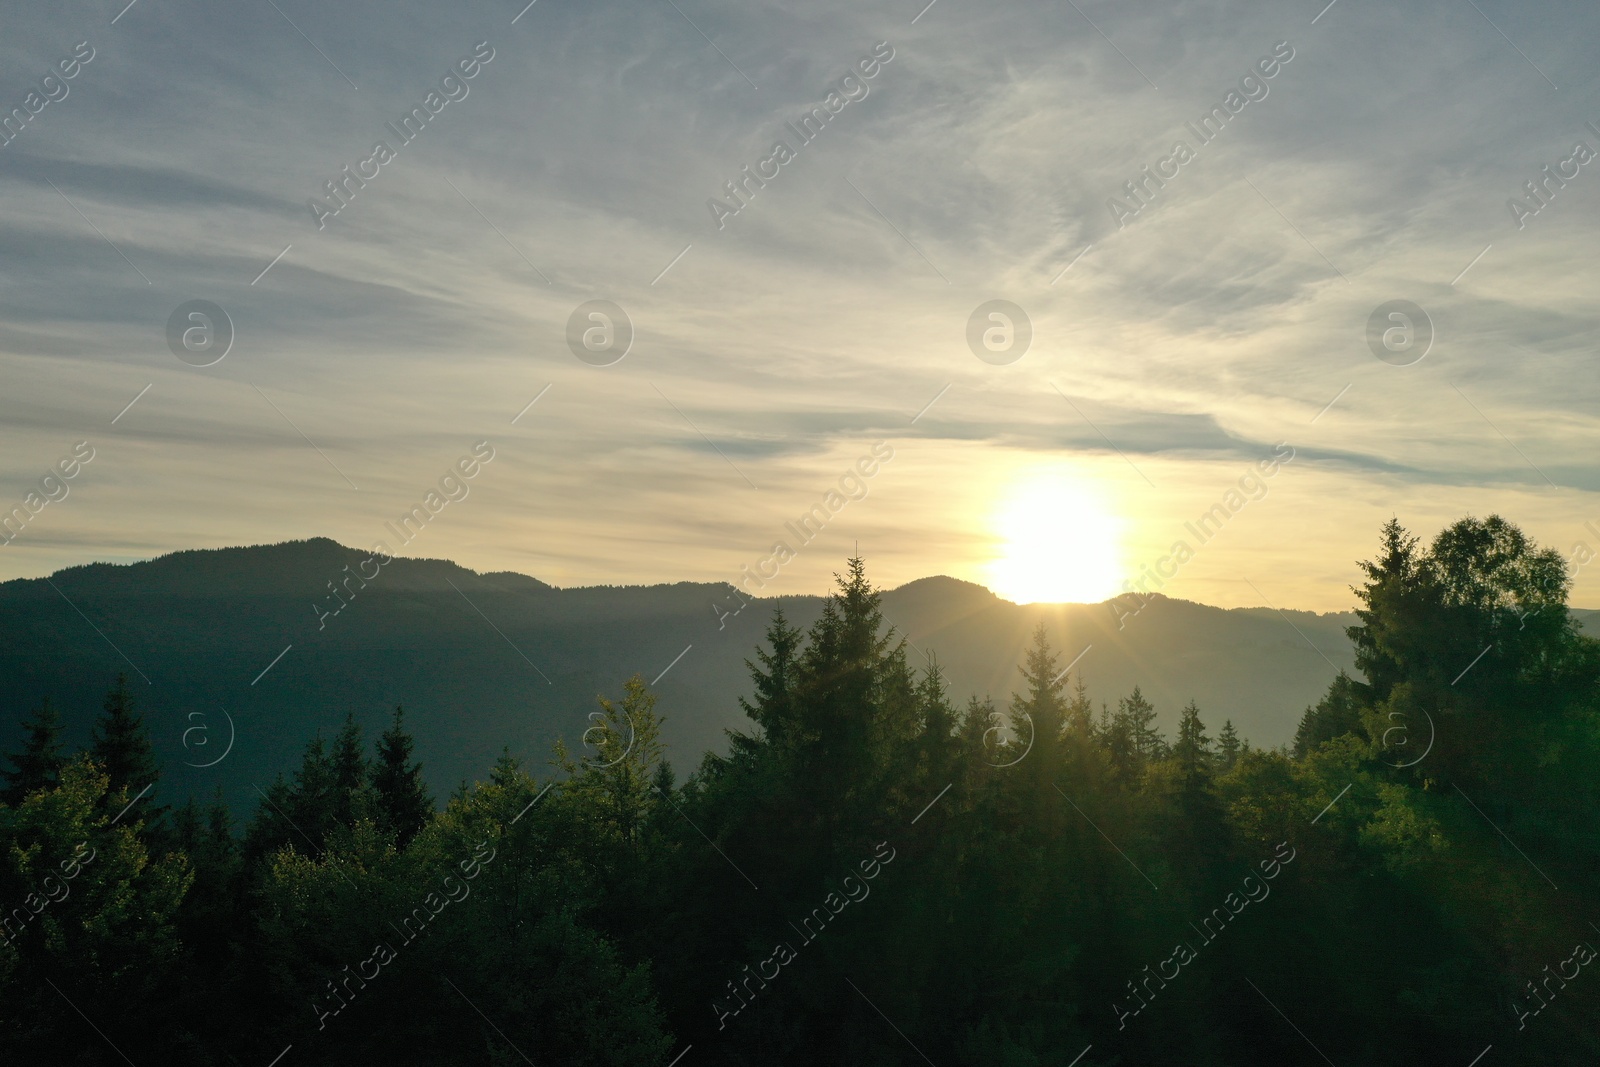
[[873, 871]]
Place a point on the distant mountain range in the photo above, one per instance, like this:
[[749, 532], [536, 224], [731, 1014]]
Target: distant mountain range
[[481, 661]]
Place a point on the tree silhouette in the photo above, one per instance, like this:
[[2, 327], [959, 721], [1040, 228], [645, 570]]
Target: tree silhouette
[[122, 750], [38, 765], [403, 803]]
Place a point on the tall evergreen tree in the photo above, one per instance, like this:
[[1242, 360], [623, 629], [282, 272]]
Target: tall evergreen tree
[[618, 780], [1336, 714], [123, 751], [348, 762], [1394, 606], [1196, 832], [1080, 712], [1142, 730], [403, 802], [1042, 705], [297, 814], [38, 765], [507, 770], [976, 737], [940, 748], [351, 798], [1228, 746], [774, 679], [207, 921], [1115, 737], [1192, 751], [856, 695], [1131, 738]]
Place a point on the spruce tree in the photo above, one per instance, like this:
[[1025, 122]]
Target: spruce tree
[[1228, 746], [1197, 838], [1080, 712], [939, 748], [975, 737], [774, 680], [1395, 602], [507, 769], [1038, 718], [351, 795], [1133, 739], [855, 696], [122, 747], [618, 781], [1043, 703], [1141, 714], [38, 765], [298, 814], [309, 796], [404, 805], [1115, 736], [1193, 750], [1336, 714], [349, 766], [938, 717]]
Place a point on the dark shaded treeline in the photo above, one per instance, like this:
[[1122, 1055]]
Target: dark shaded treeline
[[203, 625], [871, 873]]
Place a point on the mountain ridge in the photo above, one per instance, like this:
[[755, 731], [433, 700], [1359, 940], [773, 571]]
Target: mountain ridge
[[287, 638]]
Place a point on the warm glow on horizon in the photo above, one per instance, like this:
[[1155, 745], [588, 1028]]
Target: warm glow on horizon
[[1058, 543]]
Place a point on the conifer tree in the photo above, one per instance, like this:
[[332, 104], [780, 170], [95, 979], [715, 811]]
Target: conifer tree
[[975, 738], [351, 795], [1395, 602], [348, 763], [403, 802], [938, 716], [507, 769], [1043, 703], [1336, 714], [1193, 750], [855, 694], [1197, 838], [618, 778], [207, 920], [38, 765], [298, 814], [122, 749], [774, 680], [1141, 718], [1131, 738], [1080, 712], [1228, 746], [312, 789], [940, 747]]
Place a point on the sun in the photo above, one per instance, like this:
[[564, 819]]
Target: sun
[[1059, 543]]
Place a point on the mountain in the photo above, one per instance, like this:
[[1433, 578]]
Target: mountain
[[232, 642]]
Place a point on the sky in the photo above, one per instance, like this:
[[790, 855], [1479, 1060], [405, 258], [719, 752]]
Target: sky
[[1213, 327]]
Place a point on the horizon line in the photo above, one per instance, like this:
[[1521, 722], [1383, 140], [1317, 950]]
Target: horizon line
[[683, 581]]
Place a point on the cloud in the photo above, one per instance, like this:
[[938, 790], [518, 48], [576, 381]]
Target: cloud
[[831, 309]]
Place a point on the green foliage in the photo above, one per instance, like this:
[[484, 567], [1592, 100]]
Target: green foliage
[[1132, 739], [403, 803], [1336, 714], [986, 887], [1476, 628], [90, 916], [1229, 746], [38, 765], [122, 745]]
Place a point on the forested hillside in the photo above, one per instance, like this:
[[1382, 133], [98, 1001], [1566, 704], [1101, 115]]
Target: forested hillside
[[872, 870], [272, 644]]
